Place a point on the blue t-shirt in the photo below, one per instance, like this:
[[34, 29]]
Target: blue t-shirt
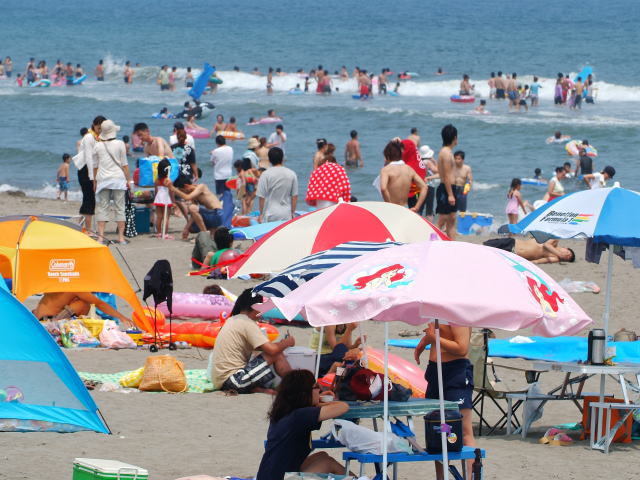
[[534, 88], [288, 443]]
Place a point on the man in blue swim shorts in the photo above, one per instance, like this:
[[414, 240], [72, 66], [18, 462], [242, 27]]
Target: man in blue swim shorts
[[457, 374], [206, 211]]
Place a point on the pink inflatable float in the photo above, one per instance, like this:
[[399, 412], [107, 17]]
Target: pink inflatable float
[[198, 305], [401, 371], [197, 132]]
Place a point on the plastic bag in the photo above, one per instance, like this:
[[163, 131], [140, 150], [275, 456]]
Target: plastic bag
[[74, 334], [112, 337], [578, 286], [132, 379], [363, 440]]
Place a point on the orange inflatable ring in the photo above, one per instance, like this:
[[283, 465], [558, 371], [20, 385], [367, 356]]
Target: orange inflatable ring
[[204, 334]]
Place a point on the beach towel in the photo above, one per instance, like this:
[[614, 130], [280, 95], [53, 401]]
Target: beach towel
[[196, 379]]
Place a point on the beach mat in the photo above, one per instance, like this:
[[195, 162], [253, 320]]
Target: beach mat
[[197, 379], [558, 349]]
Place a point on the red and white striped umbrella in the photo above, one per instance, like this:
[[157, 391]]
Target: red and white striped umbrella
[[326, 228]]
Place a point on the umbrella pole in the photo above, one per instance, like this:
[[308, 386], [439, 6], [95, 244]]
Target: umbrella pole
[[443, 433], [607, 301], [364, 361], [319, 352], [385, 414]]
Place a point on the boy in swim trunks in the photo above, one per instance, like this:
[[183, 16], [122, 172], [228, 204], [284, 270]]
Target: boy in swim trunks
[[447, 191], [62, 177], [457, 375]]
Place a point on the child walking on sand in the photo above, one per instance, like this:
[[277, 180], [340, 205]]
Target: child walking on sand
[[163, 200], [515, 202], [62, 177]]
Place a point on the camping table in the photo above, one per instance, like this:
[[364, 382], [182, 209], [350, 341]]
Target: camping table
[[374, 410], [618, 372]]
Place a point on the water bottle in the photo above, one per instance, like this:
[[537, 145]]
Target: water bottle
[[476, 467]]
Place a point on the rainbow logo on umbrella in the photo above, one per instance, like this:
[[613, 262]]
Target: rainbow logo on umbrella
[[581, 218]]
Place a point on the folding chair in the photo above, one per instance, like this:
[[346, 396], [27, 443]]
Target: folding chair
[[488, 385]]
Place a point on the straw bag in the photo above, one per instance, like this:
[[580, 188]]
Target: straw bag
[[163, 373]]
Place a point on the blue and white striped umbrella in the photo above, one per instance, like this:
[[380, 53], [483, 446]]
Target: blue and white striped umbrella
[[607, 215], [313, 265]]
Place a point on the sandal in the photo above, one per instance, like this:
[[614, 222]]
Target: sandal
[[123, 242], [561, 439], [549, 435]]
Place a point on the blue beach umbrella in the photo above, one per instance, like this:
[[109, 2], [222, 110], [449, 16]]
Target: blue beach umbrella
[[608, 216]]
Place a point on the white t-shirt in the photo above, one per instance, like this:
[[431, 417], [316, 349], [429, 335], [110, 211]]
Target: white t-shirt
[[597, 181], [85, 154], [222, 160], [110, 174], [173, 139], [278, 140]]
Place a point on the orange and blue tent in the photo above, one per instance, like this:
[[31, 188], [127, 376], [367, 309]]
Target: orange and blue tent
[[42, 254]]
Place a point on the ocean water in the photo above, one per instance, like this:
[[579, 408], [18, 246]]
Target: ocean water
[[541, 38]]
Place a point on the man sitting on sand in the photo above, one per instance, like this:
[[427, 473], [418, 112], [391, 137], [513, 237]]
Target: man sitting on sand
[[61, 305], [396, 178], [231, 365], [206, 210], [547, 252]]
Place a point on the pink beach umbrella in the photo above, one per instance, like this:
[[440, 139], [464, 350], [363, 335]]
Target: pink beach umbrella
[[328, 227], [454, 282]]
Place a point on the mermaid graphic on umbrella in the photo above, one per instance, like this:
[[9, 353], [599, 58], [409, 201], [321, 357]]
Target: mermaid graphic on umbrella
[[379, 278]]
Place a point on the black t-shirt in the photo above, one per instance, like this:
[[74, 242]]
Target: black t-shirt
[[288, 443], [186, 157]]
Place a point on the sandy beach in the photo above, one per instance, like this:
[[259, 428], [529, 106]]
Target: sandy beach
[[187, 434]]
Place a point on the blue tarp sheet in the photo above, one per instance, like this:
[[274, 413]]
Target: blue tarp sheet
[[558, 349]]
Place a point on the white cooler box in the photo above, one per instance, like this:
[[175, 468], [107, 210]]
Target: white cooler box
[[302, 358]]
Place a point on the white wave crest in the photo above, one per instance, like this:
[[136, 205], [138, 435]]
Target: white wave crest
[[47, 191]]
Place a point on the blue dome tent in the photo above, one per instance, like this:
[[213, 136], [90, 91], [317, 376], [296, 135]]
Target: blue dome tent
[[39, 388]]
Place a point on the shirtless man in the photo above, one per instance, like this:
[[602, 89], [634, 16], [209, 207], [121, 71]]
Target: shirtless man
[[547, 252], [457, 375], [512, 91], [500, 86], [205, 212], [463, 175], [318, 157], [396, 178], [579, 86], [465, 86], [492, 85], [152, 145], [447, 190], [414, 136], [75, 303], [352, 155]]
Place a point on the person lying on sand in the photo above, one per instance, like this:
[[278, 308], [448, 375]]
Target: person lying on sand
[[547, 252], [231, 365], [63, 305]]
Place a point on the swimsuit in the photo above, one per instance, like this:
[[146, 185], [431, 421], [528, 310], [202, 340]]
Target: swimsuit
[[63, 183], [512, 205], [442, 199]]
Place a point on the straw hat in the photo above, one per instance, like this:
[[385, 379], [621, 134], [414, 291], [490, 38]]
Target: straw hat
[[425, 152], [108, 130], [253, 143]]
